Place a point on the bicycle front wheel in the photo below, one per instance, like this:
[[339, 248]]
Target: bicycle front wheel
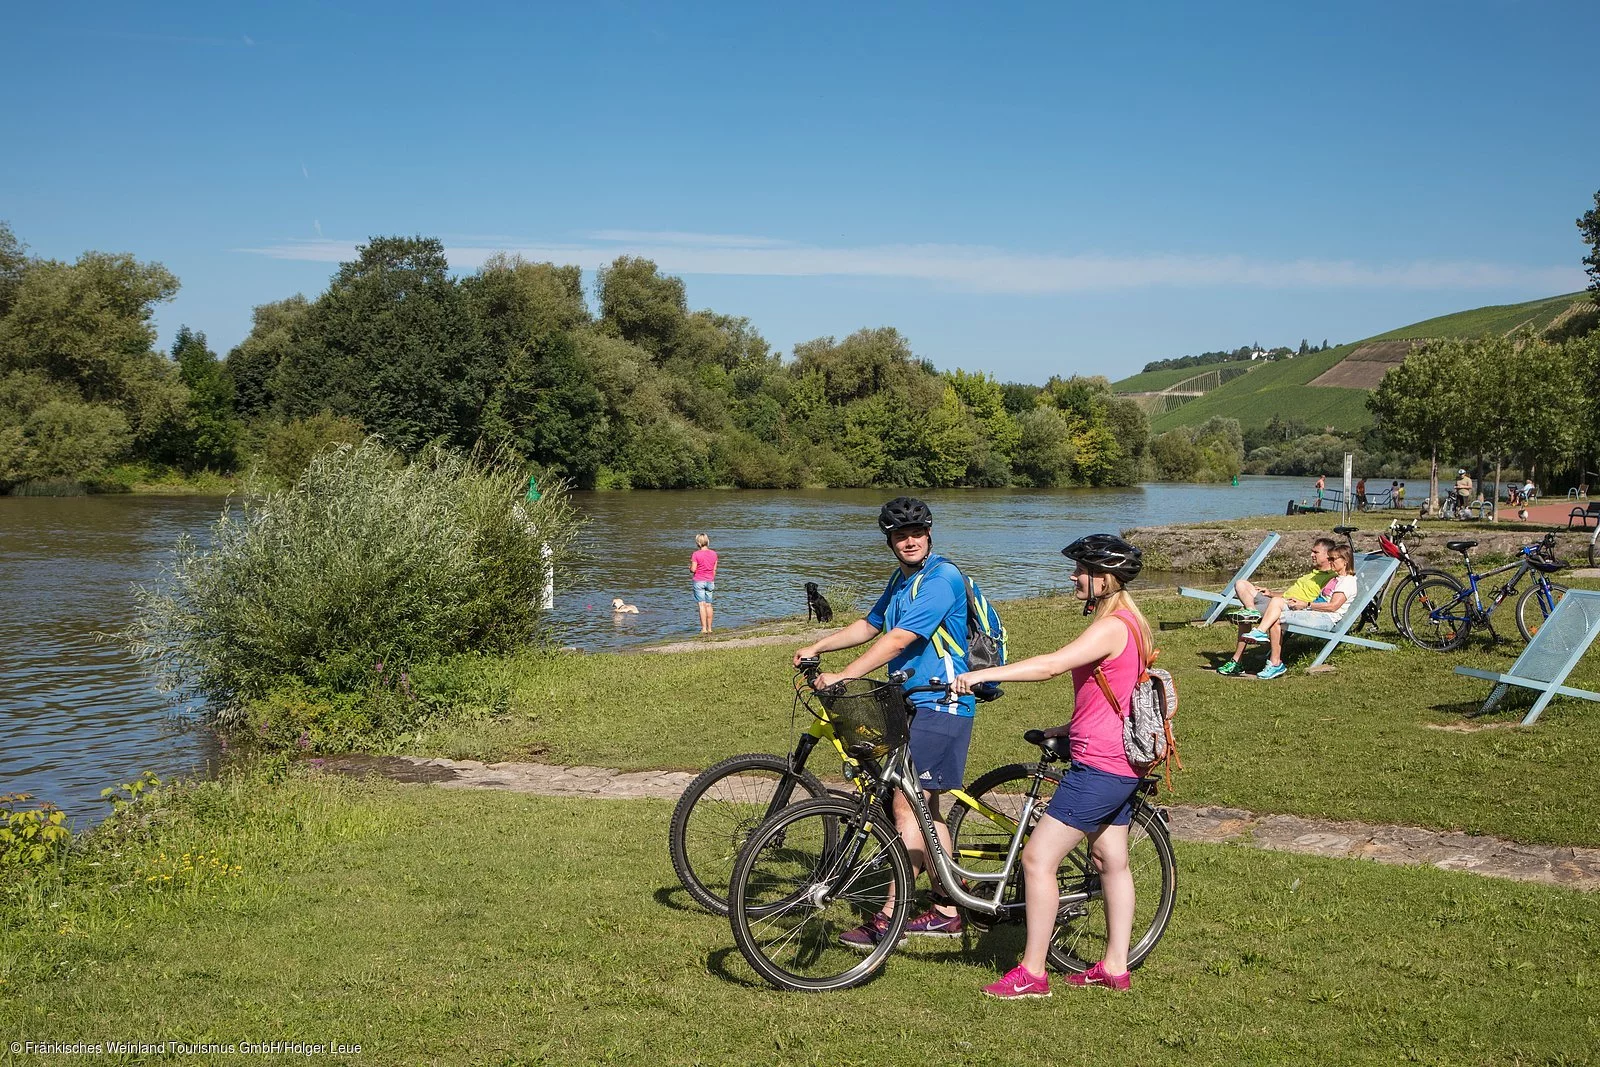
[[1079, 940], [808, 875], [718, 811], [1402, 589], [1436, 615], [1535, 605]]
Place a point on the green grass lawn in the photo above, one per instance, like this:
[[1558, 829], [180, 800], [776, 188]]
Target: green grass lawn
[[1364, 742], [442, 927]]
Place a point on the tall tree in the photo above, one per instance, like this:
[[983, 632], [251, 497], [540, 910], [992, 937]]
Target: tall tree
[[391, 344], [640, 304], [1589, 227], [254, 361], [1419, 405], [209, 436]]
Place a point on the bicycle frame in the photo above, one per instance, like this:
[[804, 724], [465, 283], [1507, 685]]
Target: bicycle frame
[[899, 775]]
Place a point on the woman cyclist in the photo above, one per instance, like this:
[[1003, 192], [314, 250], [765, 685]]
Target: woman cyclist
[[1095, 798]]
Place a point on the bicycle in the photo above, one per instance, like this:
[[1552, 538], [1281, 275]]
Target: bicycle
[[821, 867], [1440, 618], [717, 811], [1393, 544], [1594, 547]]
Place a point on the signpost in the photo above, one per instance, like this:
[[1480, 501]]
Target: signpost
[[1349, 495]]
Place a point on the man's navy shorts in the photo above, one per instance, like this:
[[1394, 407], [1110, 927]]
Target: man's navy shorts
[[939, 743], [1088, 799]]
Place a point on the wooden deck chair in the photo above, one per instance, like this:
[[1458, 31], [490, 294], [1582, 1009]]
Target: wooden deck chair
[[1223, 601], [1373, 571], [1556, 648]]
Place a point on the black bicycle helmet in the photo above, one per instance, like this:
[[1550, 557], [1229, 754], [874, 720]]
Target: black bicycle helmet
[[1107, 554], [904, 511]]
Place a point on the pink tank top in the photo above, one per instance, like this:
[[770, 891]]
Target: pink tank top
[[1094, 736]]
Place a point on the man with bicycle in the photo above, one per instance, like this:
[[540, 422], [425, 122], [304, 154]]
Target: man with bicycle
[[1463, 490], [918, 624]]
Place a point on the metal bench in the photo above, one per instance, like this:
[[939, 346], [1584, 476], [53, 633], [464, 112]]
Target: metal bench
[[1584, 516], [1224, 600], [1373, 571], [1555, 649]]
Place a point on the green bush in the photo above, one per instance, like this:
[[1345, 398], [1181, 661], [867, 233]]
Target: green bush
[[31, 836], [287, 448], [367, 564]]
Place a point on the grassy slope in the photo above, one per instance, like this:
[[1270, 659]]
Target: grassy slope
[[1295, 745], [1152, 381], [1283, 387], [442, 927], [1497, 319], [1277, 389]]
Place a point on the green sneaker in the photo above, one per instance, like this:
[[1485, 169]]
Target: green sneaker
[[1229, 667]]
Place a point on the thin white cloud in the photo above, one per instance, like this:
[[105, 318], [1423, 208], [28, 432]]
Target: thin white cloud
[[249, 40], [975, 268], [304, 172]]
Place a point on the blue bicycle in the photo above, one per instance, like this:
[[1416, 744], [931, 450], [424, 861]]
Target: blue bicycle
[[1440, 612]]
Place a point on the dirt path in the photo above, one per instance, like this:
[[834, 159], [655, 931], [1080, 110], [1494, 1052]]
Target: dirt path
[[1573, 868]]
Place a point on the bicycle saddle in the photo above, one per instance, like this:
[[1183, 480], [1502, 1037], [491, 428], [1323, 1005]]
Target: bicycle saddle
[[1345, 531], [1052, 748], [1460, 546]]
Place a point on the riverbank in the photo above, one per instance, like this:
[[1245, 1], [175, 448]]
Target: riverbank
[[1220, 547]]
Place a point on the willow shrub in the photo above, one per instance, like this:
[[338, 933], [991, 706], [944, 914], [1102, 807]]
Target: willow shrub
[[330, 590]]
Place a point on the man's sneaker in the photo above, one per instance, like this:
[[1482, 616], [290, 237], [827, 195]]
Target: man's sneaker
[[1019, 983], [1097, 975], [932, 923], [866, 936], [1258, 636], [1231, 667], [1272, 670], [1245, 615]]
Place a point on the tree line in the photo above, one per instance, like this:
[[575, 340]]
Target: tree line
[[644, 394], [1243, 352]]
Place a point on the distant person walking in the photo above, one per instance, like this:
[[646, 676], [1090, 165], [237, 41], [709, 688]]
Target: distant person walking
[[1395, 499], [1321, 481], [703, 567], [1361, 494]]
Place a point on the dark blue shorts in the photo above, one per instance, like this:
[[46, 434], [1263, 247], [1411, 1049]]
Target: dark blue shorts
[[939, 743], [1089, 799]]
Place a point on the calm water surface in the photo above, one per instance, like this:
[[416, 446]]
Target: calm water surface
[[76, 714]]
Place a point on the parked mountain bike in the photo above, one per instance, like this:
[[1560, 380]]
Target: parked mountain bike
[[1441, 618], [821, 867], [717, 811], [1594, 547]]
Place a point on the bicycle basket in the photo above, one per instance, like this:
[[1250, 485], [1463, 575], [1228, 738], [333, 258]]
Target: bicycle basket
[[869, 717]]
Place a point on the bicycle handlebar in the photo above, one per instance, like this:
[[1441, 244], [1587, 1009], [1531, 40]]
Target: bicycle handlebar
[[811, 666]]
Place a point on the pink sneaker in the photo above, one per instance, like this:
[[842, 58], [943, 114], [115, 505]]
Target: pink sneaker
[[1019, 982], [1097, 975]]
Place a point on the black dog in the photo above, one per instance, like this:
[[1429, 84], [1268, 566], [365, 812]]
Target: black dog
[[817, 604]]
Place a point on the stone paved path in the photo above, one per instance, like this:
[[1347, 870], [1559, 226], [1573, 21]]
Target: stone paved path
[[1574, 868]]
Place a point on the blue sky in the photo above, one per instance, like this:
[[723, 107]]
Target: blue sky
[[1028, 189]]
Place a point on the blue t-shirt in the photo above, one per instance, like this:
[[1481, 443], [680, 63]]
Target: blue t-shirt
[[932, 604]]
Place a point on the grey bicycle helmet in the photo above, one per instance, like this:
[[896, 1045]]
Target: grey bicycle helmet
[[1105, 554], [904, 511]]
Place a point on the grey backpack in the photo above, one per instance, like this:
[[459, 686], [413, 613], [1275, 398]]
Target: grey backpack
[[1147, 738]]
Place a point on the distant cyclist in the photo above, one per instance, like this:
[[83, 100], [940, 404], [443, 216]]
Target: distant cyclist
[[1463, 489], [918, 624]]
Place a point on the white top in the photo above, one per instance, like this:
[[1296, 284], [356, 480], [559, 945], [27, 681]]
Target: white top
[[1343, 583]]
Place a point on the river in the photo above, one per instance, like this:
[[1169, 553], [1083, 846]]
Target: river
[[77, 715]]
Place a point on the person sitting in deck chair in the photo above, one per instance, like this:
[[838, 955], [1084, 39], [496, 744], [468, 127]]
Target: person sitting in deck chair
[[1324, 612], [1256, 599]]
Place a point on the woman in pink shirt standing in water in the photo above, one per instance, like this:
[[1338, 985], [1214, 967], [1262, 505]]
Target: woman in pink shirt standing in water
[[1095, 798], [703, 566]]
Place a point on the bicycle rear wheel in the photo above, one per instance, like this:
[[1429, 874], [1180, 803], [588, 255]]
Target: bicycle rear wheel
[[809, 874], [1594, 549], [1535, 605], [1079, 940], [1436, 616], [718, 811]]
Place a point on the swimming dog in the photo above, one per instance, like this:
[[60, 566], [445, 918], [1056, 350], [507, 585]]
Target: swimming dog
[[623, 609]]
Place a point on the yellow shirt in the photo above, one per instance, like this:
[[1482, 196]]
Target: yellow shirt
[[1307, 587]]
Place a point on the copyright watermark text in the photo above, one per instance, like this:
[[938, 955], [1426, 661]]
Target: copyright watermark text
[[307, 1049]]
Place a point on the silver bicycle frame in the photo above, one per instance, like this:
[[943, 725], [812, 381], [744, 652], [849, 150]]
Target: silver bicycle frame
[[901, 773]]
